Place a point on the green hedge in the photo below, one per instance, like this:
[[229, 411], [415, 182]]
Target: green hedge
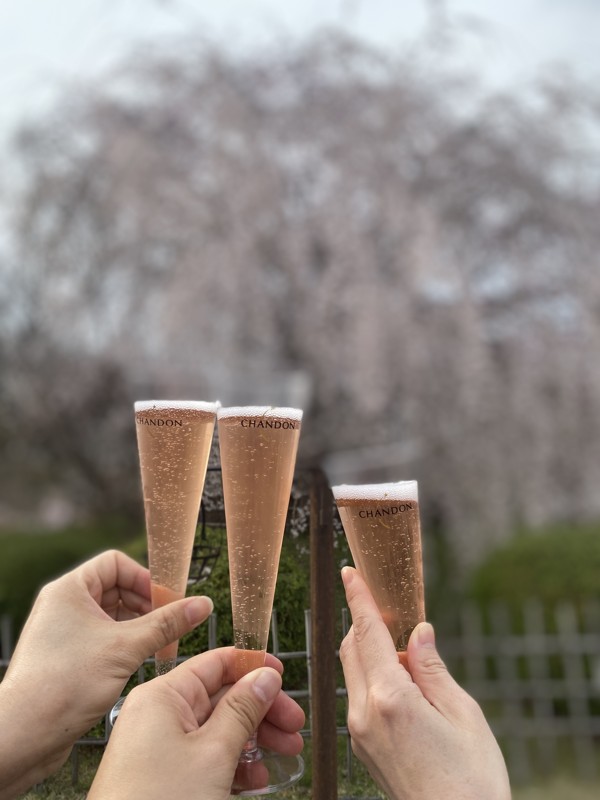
[[28, 560], [553, 565]]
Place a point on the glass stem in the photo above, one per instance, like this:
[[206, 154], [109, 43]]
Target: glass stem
[[165, 665], [251, 751]]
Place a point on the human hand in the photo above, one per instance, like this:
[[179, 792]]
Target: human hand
[[181, 734], [88, 631], [418, 733]]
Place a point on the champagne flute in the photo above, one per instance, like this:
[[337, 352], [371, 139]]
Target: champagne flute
[[258, 453], [381, 522], [174, 439]]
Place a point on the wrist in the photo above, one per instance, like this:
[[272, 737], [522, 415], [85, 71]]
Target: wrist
[[31, 751]]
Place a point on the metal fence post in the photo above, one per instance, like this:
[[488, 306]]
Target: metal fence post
[[323, 650]]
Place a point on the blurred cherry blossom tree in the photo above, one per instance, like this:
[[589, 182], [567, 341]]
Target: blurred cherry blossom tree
[[421, 254]]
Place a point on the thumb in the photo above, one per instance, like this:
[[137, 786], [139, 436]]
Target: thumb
[[429, 672], [166, 624], [239, 712]]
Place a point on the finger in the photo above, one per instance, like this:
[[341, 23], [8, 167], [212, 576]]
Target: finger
[[285, 713], [113, 568], [273, 662], [155, 630], [203, 666], [430, 674], [279, 729], [121, 603], [372, 641], [239, 713], [216, 671], [272, 737], [354, 675], [211, 675]]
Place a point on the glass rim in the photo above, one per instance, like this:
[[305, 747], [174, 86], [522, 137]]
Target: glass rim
[[279, 412], [178, 405], [399, 491]]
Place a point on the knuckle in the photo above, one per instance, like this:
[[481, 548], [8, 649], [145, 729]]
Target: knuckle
[[471, 707], [242, 710], [47, 597], [358, 749], [345, 647], [137, 699], [166, 626], [363, 625], [136, 695], [433, 665], [45, 593], [357, 725], [383, 704]]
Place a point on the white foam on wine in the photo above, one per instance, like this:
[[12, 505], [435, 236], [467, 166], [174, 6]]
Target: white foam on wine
[[401, 491], [189, 405], [294, 414]]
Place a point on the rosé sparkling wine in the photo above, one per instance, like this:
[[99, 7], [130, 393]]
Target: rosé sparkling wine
[[258, 454], [382, 524], [174, 439]]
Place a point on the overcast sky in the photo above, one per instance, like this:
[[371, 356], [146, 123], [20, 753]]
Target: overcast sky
[[45, 44]]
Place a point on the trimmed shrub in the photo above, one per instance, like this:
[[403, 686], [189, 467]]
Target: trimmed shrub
[[561, 563], [30, 559]]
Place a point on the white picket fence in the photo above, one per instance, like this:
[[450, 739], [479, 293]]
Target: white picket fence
[[538, 679]]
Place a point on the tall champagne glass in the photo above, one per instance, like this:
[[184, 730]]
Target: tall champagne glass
[[381, 522], [258, 454], [174, 439]]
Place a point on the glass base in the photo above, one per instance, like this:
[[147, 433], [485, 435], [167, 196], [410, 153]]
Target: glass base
[[265, 773], [113, 714]]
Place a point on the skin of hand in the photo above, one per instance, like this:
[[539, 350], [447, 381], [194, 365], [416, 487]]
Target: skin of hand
[[419, 734], [181, 734], [87, 632]]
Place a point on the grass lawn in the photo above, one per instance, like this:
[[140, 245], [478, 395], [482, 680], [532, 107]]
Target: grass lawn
[[561, 788], [60, 787]]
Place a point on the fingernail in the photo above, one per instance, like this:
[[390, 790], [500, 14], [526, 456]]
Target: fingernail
[[198, 609], [347, 575], [267, 685], [425, 635]]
